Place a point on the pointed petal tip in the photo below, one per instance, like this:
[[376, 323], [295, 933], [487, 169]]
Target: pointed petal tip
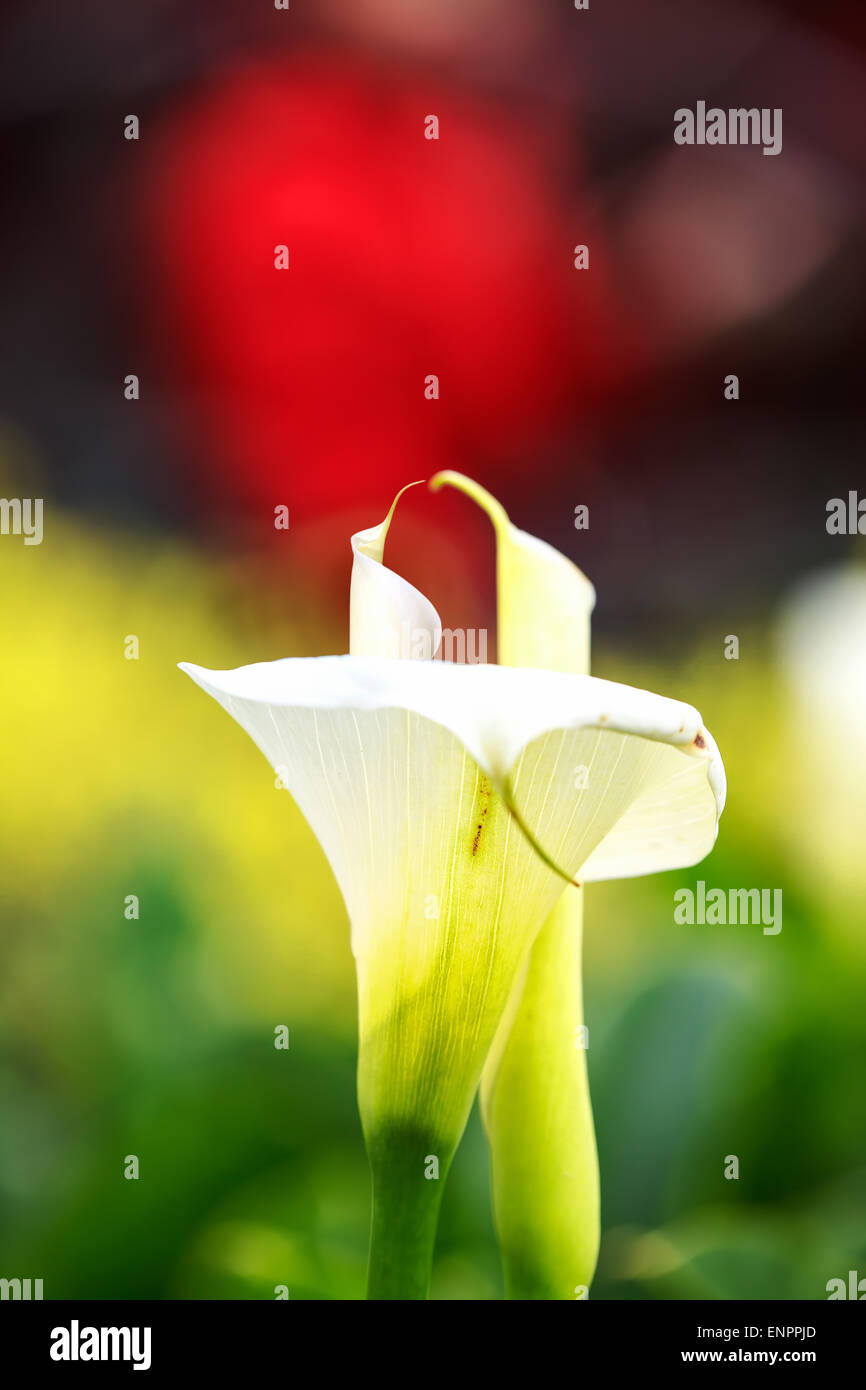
[[371, 540], [198, 674], [417, 482], [393, 507], [190, 669]]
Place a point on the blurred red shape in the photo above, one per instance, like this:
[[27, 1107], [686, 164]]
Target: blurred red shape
[[408, 257]]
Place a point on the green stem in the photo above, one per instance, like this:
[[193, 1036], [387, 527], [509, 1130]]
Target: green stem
[[405, 1213]]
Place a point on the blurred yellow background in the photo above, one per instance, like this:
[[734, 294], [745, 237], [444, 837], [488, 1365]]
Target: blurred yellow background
[[154, 1036]]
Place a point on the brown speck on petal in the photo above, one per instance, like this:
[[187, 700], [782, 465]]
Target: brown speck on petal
[[700, 741], [482, 808]]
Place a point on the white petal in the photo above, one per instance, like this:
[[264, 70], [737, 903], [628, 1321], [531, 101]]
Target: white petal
[[401, 769], [544, 601], [388, 615], [654, 782]]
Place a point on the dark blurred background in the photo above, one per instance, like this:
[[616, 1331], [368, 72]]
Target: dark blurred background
[[305, 388]]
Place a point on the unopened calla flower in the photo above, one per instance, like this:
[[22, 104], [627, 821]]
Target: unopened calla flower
[[535, 1092], [535, 1089], [444, 798]]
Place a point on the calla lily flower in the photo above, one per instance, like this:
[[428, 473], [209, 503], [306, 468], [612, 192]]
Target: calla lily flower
[[445, 799], [535, 1087]]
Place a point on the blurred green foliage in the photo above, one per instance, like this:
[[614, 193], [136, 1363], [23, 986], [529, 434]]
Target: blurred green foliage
[[154, 1036]]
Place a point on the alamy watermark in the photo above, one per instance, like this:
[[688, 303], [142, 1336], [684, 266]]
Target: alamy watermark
[[24, 1289], [463, 645], [77, 1343], [737, 907], [855, 1288], [846, 516], [22, 516], [737, 126]]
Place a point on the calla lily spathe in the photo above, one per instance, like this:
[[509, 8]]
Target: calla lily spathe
[[446, 800], [535, 1085]]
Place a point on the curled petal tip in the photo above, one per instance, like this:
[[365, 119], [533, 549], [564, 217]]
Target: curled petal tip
[[488, 503]]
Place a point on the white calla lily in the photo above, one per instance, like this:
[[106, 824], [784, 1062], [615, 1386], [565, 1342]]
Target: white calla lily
[[654, 788], [444, 798]]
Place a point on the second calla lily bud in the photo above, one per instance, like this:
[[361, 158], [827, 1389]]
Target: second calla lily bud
[[444, 798], [535, 1089]]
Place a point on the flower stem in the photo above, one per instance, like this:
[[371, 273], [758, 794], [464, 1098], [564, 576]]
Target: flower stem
[[406, 1202]]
